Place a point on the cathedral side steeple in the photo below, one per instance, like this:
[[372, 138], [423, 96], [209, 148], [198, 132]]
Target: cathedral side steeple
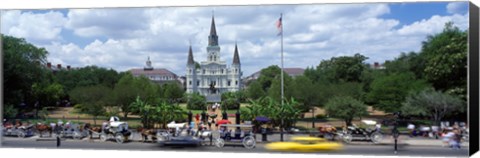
[[236, 58], [190, 57]]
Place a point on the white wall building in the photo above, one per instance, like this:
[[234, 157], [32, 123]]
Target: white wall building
[[213, 77], [157, 75]]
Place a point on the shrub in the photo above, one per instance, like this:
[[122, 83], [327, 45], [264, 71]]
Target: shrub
[[196, 101]]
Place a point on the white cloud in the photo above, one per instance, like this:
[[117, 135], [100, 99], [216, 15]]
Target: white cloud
[[457, 7], [123, 38], [38, 28], [116, 23], [434, 24]]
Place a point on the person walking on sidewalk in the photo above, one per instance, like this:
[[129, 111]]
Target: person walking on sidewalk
[[446, 137], [456, 138]]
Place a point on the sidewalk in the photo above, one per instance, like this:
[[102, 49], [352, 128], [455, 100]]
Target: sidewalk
[[387, 140]]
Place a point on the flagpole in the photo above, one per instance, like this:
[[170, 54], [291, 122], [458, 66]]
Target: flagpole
[[281, 50]]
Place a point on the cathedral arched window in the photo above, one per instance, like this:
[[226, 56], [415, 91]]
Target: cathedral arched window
[[236, 82], [189, 82]]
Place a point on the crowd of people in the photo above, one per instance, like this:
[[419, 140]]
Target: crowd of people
[[451, 135]]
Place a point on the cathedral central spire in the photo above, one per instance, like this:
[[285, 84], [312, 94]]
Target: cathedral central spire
[[213, 38]]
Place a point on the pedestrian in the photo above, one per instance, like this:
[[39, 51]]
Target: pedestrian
[[197, 117], [58, 141], [448, 138], [209, 124], [435, 130], [456, 139]]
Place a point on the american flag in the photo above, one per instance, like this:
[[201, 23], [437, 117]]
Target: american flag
[[279, 26]]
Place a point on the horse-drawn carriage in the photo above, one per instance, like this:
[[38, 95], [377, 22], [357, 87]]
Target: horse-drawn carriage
[[242, 134], [74, 131], [177, 134], [20, 130], [328, 132], [357, 133], [114, 129]]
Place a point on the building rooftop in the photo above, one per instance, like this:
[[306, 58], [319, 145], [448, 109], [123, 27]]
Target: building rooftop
[[160, 71]]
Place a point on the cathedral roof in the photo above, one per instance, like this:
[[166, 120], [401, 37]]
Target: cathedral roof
[[190, 57], [213, 30], [236, 58]]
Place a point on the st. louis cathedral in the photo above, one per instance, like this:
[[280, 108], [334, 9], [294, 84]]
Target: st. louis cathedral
[[212, 77]]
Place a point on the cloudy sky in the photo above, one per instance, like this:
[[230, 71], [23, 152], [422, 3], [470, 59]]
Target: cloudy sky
[[123, 38]]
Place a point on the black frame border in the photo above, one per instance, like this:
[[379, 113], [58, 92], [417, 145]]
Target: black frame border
[[473, 79]]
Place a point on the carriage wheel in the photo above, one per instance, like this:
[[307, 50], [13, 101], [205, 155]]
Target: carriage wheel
[[249, 142], [119, 138], [328, 136], [103, 137], [21, 134], [376, 137], [219, 143], [77, 135], [347, 138]]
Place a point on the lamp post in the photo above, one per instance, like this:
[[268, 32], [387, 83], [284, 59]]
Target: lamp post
[[395, 131]]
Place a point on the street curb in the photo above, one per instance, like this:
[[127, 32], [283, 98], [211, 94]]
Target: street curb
[[49, 139]]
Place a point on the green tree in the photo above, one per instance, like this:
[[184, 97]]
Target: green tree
[[23, 66], [173, 92], [389, 92], [230, 100], [275, 89], [91, 100], [446, 58], [129, 87], [407, 62], [269, 107], [144, 110], [346, 108], [305, 92], [255, 90], [165, 112], [339, 69], [10, 111], [267, 75], [195, 101], [434, 104], [47, 94], [86, 76], [342, 89]]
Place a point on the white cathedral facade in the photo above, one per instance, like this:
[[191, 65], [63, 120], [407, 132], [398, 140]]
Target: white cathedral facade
[[213, 77]]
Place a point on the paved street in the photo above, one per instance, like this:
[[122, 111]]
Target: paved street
[[351, 149]]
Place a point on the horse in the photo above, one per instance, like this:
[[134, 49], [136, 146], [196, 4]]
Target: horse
[[8, 125], [40, 128], [328, 131], [91, 129], [147, 132]]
